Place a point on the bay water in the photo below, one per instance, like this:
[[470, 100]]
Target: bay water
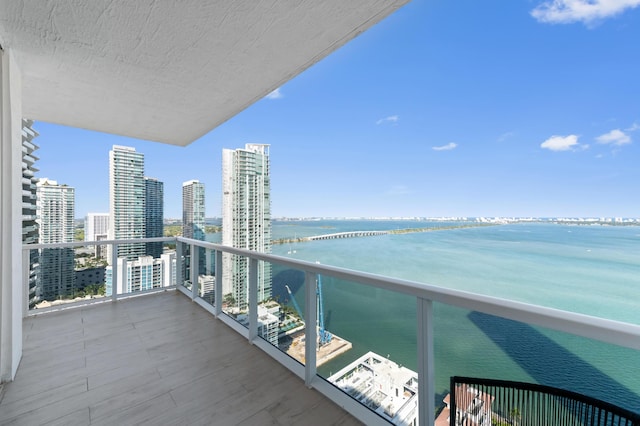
[[593, 270]]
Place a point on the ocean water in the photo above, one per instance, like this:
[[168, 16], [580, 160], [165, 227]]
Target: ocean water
[[593, 270]]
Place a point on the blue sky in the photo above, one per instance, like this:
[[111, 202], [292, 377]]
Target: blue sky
[[446, 108]]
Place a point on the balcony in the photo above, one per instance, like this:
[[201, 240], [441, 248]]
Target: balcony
[[160, 356], [155, 359]]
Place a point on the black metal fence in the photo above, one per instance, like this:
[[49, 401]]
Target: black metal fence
[[487, 402]]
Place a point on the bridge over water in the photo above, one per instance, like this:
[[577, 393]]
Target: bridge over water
[[349, 234], [353, 234]]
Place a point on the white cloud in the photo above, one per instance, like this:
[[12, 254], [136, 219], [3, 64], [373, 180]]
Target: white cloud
[[585, 11], [276, 94], [633, 128], [560, 143], [398, 190], [390, 119], [508, 135], [447, 147], [614, 137]]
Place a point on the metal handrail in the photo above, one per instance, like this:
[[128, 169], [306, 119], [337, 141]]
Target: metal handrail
[[606, 330], [527, 404]]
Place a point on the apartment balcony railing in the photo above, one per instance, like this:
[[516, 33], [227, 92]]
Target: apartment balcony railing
[[400, 397], [479, 401]]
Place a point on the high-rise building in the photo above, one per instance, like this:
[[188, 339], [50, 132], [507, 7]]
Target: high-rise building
[[96, 228], [154, 214], [55, 216], [246, 219], [144, 273], [193, 210], [29, 223], [127, 200], [193, 220]]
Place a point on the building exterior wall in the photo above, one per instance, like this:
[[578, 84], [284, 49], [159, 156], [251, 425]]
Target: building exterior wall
[[193, 210], [193, 214], [96, 228], [246, 218], [55, 216], [144, 273], [127, 200], [30, 234], [89, 276], [154, 214]]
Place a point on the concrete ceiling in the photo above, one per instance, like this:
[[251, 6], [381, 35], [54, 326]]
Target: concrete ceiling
[[168, 70]]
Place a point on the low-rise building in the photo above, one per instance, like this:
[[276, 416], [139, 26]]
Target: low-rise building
[[389, 389]]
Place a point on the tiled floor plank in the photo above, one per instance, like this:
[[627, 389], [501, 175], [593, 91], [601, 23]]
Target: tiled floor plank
[[157, 359]]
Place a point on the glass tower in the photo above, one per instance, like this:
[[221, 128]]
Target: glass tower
[[154, 214], [193, 219], [127, 200], [246, 218], [55, 216], [193, 210]]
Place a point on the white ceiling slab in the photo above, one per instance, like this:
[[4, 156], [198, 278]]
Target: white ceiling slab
[[168, 70]]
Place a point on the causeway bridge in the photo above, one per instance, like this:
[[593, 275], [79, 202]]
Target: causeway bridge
[[349, 234]]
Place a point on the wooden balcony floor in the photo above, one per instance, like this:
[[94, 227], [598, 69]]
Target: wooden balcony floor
[[156, 359]]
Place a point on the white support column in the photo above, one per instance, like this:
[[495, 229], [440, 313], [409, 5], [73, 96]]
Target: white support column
[[218, 292], [194, 271], [426, 371], [115, 279], [11, 286], [310, 328], [26, 269], [253, 299], [179, 264]]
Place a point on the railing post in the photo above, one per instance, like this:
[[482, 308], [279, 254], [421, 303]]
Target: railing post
[[219, 297], [193, 276], [253, 299], [310, 330], [26, 254], [179, 263], [114, 272], [426, 376]]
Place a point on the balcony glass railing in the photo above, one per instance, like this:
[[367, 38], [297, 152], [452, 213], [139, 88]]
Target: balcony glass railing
[[383, 348], [88, 272]]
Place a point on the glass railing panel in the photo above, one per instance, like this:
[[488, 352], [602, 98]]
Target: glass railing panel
[[473, 344], [169, 251], [153, 268], [184, 279], [207, 275], [64, 275], [367, 346], [282, 308], [235, 287]]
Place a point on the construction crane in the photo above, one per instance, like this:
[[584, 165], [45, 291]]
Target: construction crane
[[324, 337], [295, 304]]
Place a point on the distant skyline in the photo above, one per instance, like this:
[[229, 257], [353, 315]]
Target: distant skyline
[[521, 108]]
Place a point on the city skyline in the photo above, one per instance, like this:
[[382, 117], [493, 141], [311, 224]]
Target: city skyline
[[443, 109]]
